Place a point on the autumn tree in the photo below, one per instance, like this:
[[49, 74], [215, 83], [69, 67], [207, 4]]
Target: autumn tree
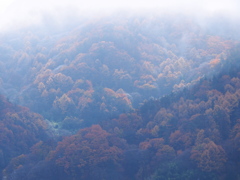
[[83, 153], [19, 130], [209, 156]]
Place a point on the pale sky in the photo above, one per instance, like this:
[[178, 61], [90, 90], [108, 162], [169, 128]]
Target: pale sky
[[23, 12]]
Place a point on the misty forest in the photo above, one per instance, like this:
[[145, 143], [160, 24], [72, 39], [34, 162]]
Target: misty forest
[[126, 97]]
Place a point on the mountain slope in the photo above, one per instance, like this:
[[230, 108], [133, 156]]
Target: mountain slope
[[191, 134], [109, 65]]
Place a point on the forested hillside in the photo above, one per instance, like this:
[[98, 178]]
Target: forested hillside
[[109, 65], [142, 97], [20, 129]]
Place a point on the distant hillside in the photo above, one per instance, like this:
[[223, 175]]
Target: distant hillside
[[20, 129], [190, 134], [109, 66]]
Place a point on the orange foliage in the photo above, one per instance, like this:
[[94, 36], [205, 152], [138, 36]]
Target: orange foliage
[[19, 129], [165, 153], [144, 145], [88, 148], [153, 144], [110, 92], [209, 156], [84, 102], [63, 103], [129, 122], [214, 62], [180, 140]]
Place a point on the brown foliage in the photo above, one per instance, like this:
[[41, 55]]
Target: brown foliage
[[209, 156], [90, 147], [19, 130], [181, 140]]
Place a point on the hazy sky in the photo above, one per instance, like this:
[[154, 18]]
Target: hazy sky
[[14, 13]]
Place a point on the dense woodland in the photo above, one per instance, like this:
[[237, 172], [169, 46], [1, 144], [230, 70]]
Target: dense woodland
[[144, 98]]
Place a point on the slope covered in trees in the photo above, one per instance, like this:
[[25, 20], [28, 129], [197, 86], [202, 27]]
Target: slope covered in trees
[[145, 98], [20, 129], [109, 65], [192, 134]]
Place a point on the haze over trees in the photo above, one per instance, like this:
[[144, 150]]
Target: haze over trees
[[145, 97]]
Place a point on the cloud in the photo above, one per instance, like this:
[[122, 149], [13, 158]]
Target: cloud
[[17, 13]]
